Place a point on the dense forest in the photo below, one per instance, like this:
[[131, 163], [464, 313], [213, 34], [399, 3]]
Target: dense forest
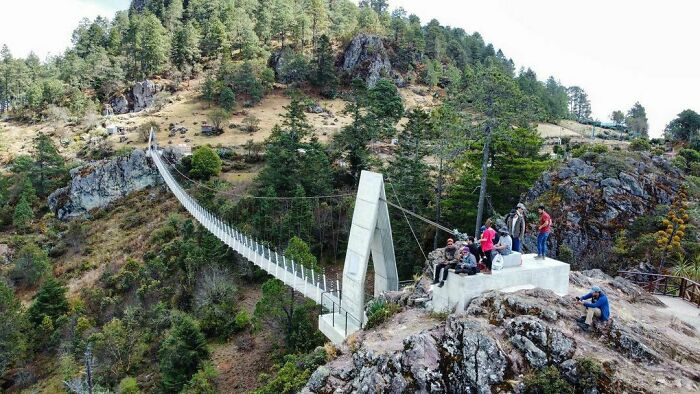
[[147, 324]]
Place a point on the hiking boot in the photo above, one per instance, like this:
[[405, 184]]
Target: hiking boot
[[442, 283], [584, 327], [581, 319]]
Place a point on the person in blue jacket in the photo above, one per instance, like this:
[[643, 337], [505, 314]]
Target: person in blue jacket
[[598, 306]]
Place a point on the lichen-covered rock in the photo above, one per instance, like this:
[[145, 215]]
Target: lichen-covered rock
[[474, 360], [630, 344], [144, 94], [119, 105], [366, 58], [541, 344], [98, 184]]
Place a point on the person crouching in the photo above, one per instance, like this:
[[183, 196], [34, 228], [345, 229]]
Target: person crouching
[[598, 307]]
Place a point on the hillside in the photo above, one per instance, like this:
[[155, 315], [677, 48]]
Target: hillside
[[267, 112]]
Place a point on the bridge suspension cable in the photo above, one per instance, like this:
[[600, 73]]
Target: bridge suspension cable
[[202, 185]]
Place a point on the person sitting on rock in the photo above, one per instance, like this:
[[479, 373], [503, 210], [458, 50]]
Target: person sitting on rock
[[467, 265], [449, 255], [598, 307], [505, 244]]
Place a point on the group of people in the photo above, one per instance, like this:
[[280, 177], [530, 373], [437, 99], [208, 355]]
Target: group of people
[[491, 243]]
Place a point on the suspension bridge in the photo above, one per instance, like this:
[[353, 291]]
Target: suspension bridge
[[370, 235]]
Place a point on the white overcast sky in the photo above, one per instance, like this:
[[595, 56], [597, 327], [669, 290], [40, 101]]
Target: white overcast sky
[[619, 51]]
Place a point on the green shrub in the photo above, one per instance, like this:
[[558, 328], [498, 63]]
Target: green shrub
[[379, 311], [547, 380], [640, 144], [690, 155], [680, 162], [589, 373], [30, 266], [565, 254], [203, 382], [292, 374], [129, 385], [242, 320], [205, 163]]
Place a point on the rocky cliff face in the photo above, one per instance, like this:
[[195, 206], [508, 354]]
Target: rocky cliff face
[[592, 198], [502, 338], [367, 58], [98, 184], [141, 96]]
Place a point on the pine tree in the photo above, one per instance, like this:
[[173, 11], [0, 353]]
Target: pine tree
[[185, 51], [213, 37], [182, 353], [209, 90], [13, 328], [50, 301], [23, 215], [325, 77], [263, 20], [409, 177], [49, 166], [227, 98], [386, 106]]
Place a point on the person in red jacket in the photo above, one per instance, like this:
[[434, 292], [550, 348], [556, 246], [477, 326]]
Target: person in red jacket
[[544, 228], [487, 244]]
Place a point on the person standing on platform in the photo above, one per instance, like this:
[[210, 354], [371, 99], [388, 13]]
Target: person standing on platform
[[487, 245], [516, 226], [544, 228]]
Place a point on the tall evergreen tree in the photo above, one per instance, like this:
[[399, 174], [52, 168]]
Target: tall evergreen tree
[[23, 215], [324, 76], [182, 353], [13, 328], [637, 120], [49, 166], [185, 49], [409, 177], [50, 301], [579, 105]]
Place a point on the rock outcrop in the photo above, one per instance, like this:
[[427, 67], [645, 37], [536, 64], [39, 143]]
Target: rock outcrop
[[144, 94], [503, 338], [118, 105], [141, 96], [591, 198], [98, 184], [366, 57]]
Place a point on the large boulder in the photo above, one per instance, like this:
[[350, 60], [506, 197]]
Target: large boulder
[[118, 105], [367, 58], [144, 94], [98, 184]]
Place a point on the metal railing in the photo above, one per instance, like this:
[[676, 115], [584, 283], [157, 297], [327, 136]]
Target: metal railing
[[668, 285], [337, 308]]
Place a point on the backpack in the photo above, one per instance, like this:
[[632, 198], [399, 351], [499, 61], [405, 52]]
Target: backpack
[[497, 262]]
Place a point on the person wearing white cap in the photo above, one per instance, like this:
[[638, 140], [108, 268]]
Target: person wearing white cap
[[599, 307], [516, 226]]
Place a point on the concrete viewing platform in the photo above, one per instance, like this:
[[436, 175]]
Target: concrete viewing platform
[[459, 289]]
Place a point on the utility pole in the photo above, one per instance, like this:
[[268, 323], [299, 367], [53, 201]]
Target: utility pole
[[484, 163]]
